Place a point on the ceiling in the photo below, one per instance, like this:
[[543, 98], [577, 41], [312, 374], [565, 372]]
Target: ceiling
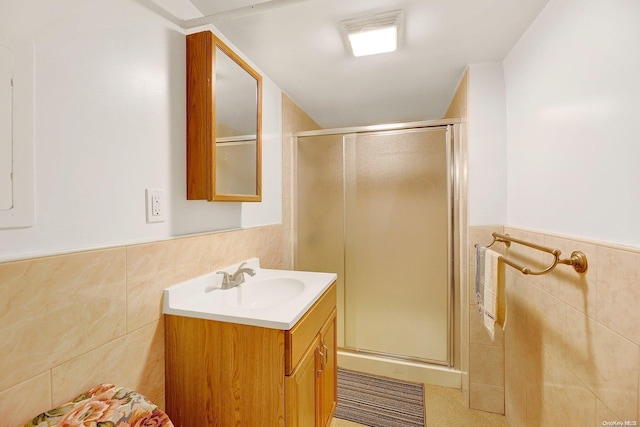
[[298, 45]]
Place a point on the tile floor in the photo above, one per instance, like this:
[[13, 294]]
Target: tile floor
[[445, 408]]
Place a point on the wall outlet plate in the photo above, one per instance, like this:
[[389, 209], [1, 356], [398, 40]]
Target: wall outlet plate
[[155, 205]]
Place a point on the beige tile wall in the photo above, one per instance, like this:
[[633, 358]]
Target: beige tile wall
[[486, 357], [293, 120], [572, 344], [71, 321]]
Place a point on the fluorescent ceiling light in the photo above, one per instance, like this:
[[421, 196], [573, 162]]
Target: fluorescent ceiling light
[[373, 34], [371, 42]]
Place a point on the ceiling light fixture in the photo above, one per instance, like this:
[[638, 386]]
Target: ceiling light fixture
[[373, 34]]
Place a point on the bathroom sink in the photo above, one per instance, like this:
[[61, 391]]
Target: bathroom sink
[[274, 299], [263, 293]]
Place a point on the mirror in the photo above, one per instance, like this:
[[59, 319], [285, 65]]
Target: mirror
[[237, 125], [224, 123]]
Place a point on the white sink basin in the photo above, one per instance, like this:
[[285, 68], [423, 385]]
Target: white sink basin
[[262, 293], [272, 298]]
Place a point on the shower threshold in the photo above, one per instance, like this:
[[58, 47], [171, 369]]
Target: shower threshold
[[399, 368]]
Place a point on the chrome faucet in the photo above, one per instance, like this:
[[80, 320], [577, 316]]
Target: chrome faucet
[[232, 280]]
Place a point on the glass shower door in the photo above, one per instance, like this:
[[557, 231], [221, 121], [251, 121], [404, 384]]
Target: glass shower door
[[376, 209], [320, 211], [397, 222]]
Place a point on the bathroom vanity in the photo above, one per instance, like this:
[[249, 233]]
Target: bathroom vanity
[[228, 370]]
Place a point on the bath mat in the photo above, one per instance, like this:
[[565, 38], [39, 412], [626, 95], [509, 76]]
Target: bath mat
[[379, 402]]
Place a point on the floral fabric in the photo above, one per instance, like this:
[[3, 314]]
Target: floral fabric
[[105, 405]]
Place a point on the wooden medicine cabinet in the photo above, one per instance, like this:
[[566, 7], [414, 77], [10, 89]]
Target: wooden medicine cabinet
[[224, 123]]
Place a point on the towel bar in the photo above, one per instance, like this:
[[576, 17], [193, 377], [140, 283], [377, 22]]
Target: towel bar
[[577, 259]]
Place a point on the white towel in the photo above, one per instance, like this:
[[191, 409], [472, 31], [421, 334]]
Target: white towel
[[490, 298], [490, 291]]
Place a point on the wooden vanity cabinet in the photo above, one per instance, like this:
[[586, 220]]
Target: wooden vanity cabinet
[[329, 373], [223, 374], [311, 387]]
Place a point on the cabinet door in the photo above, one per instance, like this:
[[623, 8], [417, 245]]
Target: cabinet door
[[301, 385], [329, 374]]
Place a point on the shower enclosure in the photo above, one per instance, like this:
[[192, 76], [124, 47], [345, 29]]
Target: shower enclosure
[[377, 206]]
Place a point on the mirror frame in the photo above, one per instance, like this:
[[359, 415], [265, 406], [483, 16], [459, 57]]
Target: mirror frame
[[201, 119]]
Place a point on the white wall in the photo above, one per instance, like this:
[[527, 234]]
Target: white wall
[[487, 145], [573, 102], [110, 122]]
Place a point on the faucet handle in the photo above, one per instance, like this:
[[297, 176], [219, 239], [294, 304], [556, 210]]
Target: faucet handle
[[226, 277]]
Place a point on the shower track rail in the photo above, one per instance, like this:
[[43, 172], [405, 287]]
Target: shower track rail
[[378, 128], [578, 260]]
